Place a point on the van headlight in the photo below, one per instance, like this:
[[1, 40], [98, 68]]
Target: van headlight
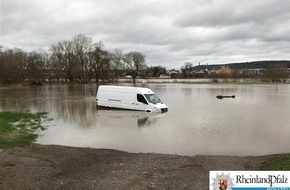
[[157, 109]]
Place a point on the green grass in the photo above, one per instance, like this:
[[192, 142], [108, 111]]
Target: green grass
[[19, 128], [279, 162]]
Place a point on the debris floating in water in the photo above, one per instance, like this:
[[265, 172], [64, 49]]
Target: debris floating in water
[[221, 96]]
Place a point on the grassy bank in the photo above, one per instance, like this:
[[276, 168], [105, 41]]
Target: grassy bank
[[279, 162], [19, 128]]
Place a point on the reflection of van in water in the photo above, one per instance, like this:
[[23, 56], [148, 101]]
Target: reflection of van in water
[[128, 119], [130, 98]]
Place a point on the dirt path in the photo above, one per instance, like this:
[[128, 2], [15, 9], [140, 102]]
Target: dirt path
[[57, 167]]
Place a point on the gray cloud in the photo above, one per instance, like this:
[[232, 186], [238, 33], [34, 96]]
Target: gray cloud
[[230, 12], [169, 33]]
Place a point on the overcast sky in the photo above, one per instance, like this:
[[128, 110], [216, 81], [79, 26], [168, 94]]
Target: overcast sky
[[168, 32]]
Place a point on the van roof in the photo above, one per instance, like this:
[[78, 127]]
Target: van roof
[[140, 89]]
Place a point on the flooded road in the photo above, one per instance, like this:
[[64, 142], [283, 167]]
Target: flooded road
[[255, 122]]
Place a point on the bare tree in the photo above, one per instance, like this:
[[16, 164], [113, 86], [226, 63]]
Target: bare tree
[[69, 64], [117, 64], [36, 67], [100, 62], [63, 53], [135, 63], [12, 66], [82, 45], [56, 60], [276, 72], [226, 72], [186, 69]]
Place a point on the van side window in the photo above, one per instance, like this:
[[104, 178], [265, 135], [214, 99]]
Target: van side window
[[140, 98]]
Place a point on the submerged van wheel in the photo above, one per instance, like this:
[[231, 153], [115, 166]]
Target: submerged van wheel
[[148, 111]]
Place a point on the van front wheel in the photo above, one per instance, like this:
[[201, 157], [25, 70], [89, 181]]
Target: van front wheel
[[148, 111]]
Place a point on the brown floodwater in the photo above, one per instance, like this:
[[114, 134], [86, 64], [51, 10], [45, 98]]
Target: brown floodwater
[[255, 122]]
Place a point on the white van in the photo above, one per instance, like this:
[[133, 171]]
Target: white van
[[130, 98]]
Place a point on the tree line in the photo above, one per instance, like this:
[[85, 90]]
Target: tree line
[[75, 60], [82, 60]]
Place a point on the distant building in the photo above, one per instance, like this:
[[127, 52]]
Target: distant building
[[164, 76], [173, 73]]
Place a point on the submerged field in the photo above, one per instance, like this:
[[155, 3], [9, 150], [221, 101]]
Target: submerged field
[[197, 124], [58, 167]]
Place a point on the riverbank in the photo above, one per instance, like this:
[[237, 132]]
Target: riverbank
[[169, 80], [206, 81], [58, 167]]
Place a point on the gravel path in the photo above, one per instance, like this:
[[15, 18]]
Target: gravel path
[[58, 167]]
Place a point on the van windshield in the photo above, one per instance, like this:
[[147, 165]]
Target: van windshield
[[152, 98]]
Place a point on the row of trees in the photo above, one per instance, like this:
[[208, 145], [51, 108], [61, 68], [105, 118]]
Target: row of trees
[[78, 59], [82, 60]]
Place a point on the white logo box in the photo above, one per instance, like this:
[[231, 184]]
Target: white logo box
[[247, 180]]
